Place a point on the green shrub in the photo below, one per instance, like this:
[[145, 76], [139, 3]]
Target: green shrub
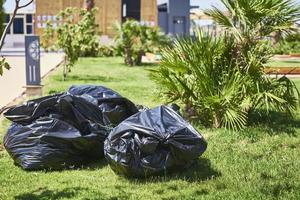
[[133, 40], [106, 51], [285, 48], [200, 74], [295, 37], [221, 81], [289, 44], [204, 75]]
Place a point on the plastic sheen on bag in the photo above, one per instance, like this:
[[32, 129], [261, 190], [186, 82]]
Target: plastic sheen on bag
[[153, 142], [64, 130]]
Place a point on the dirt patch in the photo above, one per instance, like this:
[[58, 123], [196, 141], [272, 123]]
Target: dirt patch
[[1, 147]]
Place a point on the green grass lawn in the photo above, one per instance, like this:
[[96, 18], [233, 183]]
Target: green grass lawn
[[284, 63], [261, 162]]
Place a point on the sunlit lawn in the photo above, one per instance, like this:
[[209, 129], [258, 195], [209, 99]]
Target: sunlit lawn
[[284, 63], [261, 162]]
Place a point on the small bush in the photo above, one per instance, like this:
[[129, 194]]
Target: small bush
[[290, 44], [106, 51], [222, 80], [204, 75], [287, 48], [133, 40]]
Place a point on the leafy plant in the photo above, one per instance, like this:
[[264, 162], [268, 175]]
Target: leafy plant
[[221, 80], [200, 73], [250, 21], [133, 40], [75, 35], [3, 64], [289, 44], [106, 51], [285, 48]]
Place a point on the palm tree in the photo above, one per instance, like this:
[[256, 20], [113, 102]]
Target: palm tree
[[251, 20], [221, 80]]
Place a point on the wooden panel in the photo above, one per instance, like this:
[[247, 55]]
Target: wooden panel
[[109, 12], [49, 9], [73, 3], [99, 4], [45, 9], [149, 11], [112, 14]]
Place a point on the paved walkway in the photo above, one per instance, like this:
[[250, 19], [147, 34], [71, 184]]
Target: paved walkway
[[13, 80]]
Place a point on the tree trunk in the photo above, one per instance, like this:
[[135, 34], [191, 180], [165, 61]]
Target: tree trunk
[[7, 28], [65, 71], [128, 57], [89, 4], [276, 36], [216, 120], [138, 60]]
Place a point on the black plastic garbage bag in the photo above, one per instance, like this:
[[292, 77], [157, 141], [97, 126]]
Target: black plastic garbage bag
[[114, 107], [63, 130], [153, 142], [50, 143]]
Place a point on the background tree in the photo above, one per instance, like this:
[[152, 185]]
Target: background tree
[[89, 4], [2, 16], [76, 36], [18, 5]]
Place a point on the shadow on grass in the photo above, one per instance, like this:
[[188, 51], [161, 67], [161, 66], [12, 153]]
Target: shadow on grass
[[149, 65], [67, 193], [143, 65], [277, 189], [92, 165], [92, 78], [71, 193], [199, 171], [276, 123]]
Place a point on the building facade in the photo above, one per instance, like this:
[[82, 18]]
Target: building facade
[[109, 12], [174, 19], [23, 24], [32, 19]]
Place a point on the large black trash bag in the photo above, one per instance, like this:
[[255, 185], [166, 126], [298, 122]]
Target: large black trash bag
[[114, 107], [62, 130], [153, 142], [50, 143]]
